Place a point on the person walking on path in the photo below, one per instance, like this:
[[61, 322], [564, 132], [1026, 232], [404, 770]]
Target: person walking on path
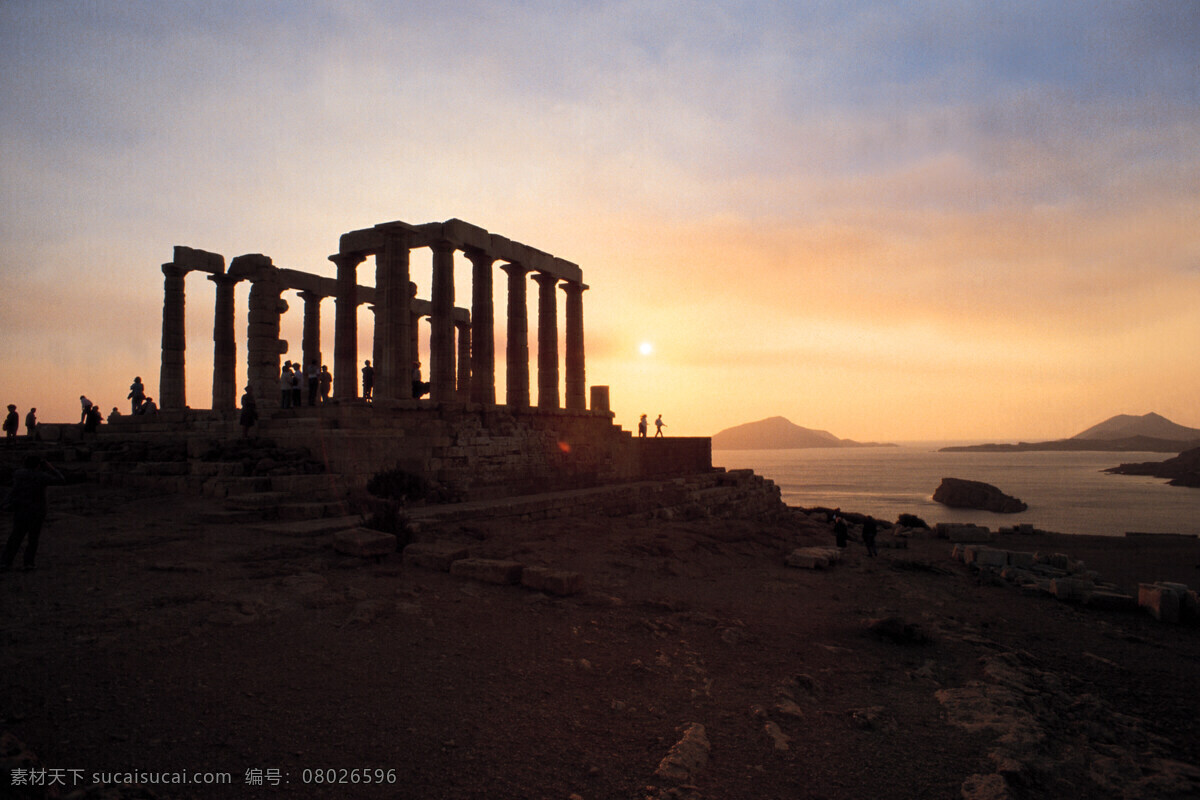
[[642, 426], [658, 426], [869, 531], [27, 499], [31, 426]]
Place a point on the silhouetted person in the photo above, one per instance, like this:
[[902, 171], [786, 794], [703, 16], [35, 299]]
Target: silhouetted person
[[148, 409], [314, 382], [84, 405], [642, 427], [285, 385], [12, 423], [869, 531], [137, 395], [249, 414], [31, 426], [297, 394], [368, 373], [92, 419], [419, 387], [658, 426], [325, 378], [27, 499], [840, 531]]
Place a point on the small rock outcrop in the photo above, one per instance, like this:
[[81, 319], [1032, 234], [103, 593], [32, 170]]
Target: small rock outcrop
[[959, 493]]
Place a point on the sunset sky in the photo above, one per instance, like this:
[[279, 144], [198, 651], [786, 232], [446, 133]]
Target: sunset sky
[[892, 221]]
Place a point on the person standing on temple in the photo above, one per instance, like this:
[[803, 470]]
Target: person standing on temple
[[249, 414], [285, 385], [658, 426], [642, 427], [314, 382], [31, 426], [326, 381], [368, 373], [84, 405], [137, 394], [12, 423]]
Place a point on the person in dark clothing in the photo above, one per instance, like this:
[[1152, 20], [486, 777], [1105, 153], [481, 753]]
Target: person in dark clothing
[[326, 380], [368, 373], [249, 414], [870, 530], [840, 530], [11, 423], [92, 420], [27, 499]]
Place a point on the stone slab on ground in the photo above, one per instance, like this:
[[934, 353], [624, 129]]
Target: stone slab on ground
[[1106, 600], [1163, 602], [813, 557], [364, 543], [433, 555], [488, 570], [563, 583], [311, 527]]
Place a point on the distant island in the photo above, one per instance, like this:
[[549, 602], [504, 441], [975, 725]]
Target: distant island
[[777, 433], [1151, 433]]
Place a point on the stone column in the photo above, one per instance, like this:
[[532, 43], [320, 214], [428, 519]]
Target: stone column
[[464, 361], [547, 341], [171, 384], [517, 380], [345, 326], [263, 345], [576, 376], [224, 382], [393, 318], [483, 325], [441, 336], [310, 336]]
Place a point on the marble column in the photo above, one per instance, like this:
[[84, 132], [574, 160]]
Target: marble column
[[441, 336], [463, 392], [345, 326], [393, 362], [517, 379], [576, 376], [171, 383], [310, 336], [547, 341], [224, 382], [263, 345], [483, 326]]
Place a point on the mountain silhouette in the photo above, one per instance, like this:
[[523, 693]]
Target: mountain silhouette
[[1123, 426], [777, 433]]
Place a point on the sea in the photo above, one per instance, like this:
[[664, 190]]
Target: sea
[[1067, 492]]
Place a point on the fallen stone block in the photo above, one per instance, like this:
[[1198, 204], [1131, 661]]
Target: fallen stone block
[[987, 557], [1105, 600], [1163, 602], [1017, 575], [964, 532], [364, 543], [552, 581], [813, 557], [488, 570], [686, 757], [433, 555], [1071, 590], [1022, 559]]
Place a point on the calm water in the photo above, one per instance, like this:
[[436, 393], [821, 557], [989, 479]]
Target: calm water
[[1066, 492]]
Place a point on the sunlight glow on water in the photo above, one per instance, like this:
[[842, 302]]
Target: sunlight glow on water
[[1066, 492]]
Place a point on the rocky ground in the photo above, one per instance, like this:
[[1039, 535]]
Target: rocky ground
[[149, 640]]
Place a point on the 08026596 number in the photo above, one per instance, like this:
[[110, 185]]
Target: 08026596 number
[[348, 775]]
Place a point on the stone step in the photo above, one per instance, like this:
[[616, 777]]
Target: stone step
[[310, 527]]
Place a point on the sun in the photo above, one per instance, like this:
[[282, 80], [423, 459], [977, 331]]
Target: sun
[[646, 348]]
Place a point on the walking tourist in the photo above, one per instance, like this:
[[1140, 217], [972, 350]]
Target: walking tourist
[[658, 426], [27, 499]]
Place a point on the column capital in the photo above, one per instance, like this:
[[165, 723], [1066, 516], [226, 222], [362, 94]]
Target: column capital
[[515, 269], [348, 259], [480, 258], [442, 246], [225, 279], [309, 295], [573, 287], [173, 270], [545, 279]]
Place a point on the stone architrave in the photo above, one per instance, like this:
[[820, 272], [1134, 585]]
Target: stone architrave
[[393, 361], [547, 341], [441, 335], [482, 335], [576, 375], [464, 360], [171, 381], [517, 359], [345, 326], [310, 336], [224, 382]]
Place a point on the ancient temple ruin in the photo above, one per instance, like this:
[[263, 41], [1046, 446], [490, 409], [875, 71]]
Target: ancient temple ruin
[[461, 435]]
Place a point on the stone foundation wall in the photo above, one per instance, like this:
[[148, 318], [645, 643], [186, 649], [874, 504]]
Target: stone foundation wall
[[475, 451]]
